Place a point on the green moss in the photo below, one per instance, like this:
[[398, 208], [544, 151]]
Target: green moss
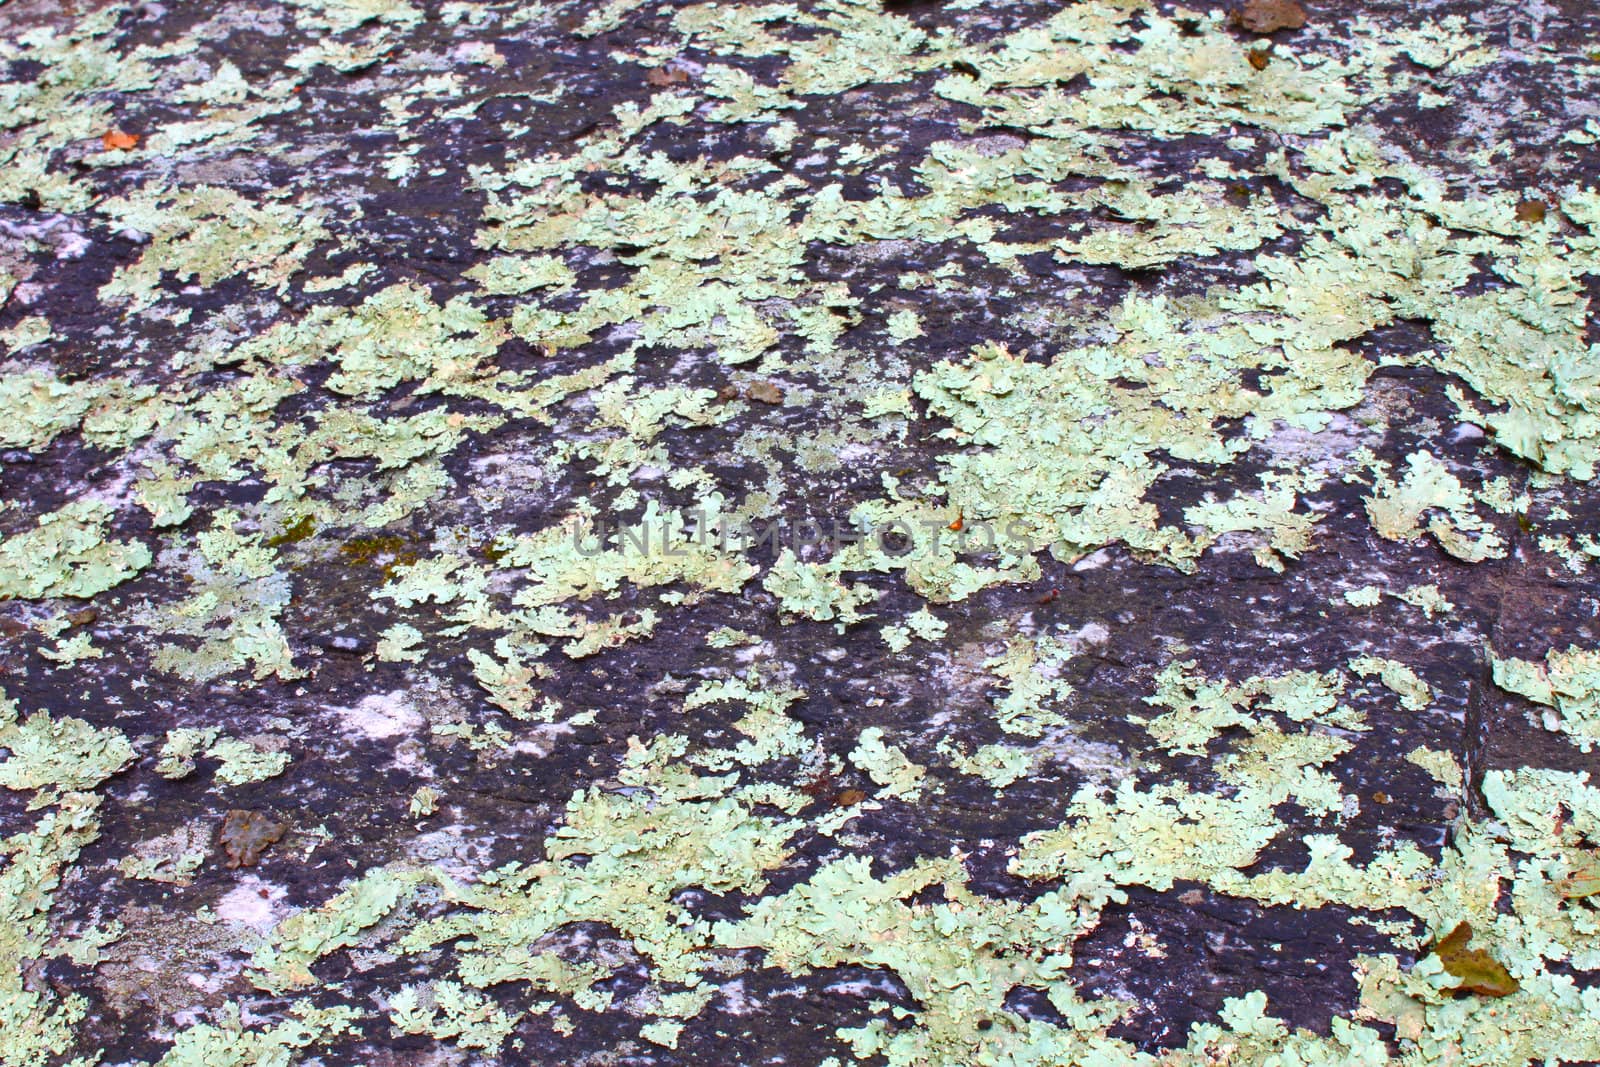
[[390, 553], [299, 530]]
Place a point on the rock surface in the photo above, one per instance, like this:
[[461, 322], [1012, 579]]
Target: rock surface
[[908, 532]]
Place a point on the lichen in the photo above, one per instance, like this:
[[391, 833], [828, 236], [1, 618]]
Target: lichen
[[67, 554], [205, 234], [229, 1042], [284, 961], [1566, 684], [1220, 399]]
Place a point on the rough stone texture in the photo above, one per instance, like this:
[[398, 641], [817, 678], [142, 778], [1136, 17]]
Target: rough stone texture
[[801, 262]]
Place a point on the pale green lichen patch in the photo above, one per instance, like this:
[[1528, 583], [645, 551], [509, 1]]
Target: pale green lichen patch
[[241, 761], [172, 858], [1397, 510], [284, 961], [1029, 675], [959, 957], [37, 1025], [810, 590], [449, 1011], [1200, 710], [424, 802], [671, 829], [47, 754], [889, 767], [1566, 684], [40, 407], [1415, 694], [999, 765], [1232, 384], [68, 554], [205, 234], [59, 760], [509, 275], [234, 610], [231, 1043]]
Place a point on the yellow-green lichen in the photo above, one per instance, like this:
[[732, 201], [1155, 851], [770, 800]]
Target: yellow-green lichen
[[1566, 684], [68, 554]]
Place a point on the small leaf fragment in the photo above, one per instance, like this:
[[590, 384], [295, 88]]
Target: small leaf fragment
[[1268, 16], [1479, 972], [1582, 879], [765, 392], [661, 77], [245, 835]]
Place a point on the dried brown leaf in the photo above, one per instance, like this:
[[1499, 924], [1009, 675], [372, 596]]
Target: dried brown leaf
[[765, 392], [245, 835], [1479, 972], [1269, 16]]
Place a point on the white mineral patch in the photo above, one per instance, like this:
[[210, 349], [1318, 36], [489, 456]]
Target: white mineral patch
[[382, 715], [252, 903]]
